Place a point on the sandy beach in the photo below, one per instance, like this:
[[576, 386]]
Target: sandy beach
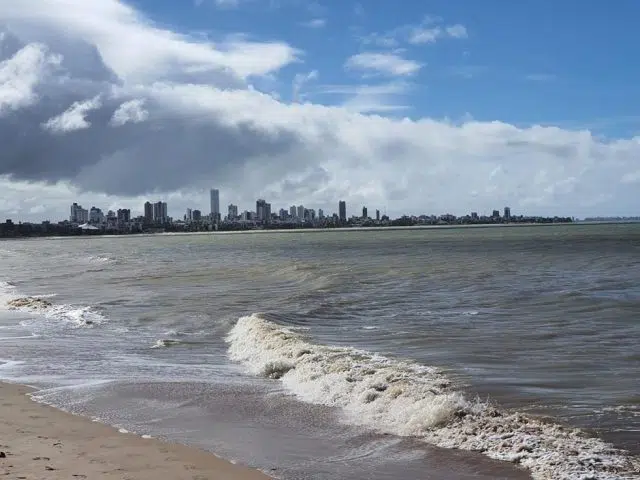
[[40, 442]]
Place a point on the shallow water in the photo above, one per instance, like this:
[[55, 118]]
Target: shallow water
[[344, 354]]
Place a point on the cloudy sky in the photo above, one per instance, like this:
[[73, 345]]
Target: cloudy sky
[[410, 107]]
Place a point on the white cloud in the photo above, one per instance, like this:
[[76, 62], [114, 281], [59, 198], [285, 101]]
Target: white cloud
[[376, 98], [430, 30], [138, 51], [631, 177], [74, 118], [424, 34], [457, 31], [384, 63], [131, 111], [21, 73], [188, 121], [299, 80], [315, 23]]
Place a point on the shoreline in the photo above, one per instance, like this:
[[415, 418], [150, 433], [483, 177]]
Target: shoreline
[[479, 226], [40, 441]]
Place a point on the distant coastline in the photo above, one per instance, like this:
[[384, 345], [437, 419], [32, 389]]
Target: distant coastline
[[81, 234]]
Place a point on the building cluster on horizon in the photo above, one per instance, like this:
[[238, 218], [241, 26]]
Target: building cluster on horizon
[[155, 218]]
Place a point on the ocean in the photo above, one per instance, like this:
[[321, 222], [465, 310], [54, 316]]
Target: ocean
[[453, 353]]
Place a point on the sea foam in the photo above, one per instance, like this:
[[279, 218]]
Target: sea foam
[[73, 315], [408, 399]]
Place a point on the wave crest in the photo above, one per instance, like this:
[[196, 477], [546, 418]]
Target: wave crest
[[407, 399]]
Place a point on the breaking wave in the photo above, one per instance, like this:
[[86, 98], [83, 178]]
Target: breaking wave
[[74, 315], [407, 399]]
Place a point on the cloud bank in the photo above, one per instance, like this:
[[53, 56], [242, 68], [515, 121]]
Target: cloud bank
[[98, 102]]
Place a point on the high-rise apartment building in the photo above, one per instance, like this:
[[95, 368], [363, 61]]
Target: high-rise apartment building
[[78, 214], [377, 215], [124, 215], [300, 212], [507, 213], [232, 212], [263, 211], [342, 211], [364, 213], [96, 215], [160, 212], [214, 197], [148, 212], [293, 211]]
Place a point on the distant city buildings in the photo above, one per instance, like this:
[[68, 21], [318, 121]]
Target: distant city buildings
[[342, 211], [155, 218], [160, 212], [214, 199], [96, 216], [78, 214], [148, 213], [124, 215], [263, 211], [232, 212]]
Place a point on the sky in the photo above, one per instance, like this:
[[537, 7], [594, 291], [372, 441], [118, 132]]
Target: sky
[[413, 107]]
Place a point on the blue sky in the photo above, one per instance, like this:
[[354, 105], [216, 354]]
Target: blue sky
[[567, 63]]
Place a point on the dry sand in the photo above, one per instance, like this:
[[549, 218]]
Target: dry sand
[[40, 442]]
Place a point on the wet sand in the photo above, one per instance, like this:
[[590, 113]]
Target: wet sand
[[40, 442]]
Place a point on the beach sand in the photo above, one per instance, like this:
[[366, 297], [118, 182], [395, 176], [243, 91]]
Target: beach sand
[[40, 442]]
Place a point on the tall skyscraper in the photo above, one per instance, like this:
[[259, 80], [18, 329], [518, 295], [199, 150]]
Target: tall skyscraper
[[377, 215], [507, 213], [214, 195], [148, 212], [342, 211], [364, 213], [300, 212], [160, 212], [263, 211]]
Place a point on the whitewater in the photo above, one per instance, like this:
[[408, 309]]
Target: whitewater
[[404, 398]]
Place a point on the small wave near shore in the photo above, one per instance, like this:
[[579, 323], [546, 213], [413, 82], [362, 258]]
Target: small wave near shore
[[407, 399], [73, 315]]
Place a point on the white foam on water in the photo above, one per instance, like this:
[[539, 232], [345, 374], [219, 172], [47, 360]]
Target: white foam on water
[[101, 259], [407, 399], [74, 315], [162, 343]]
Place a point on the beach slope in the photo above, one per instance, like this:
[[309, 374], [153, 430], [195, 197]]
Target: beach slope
[[40, 442]]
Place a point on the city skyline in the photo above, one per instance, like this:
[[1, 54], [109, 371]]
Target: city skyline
[[158, 212]]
